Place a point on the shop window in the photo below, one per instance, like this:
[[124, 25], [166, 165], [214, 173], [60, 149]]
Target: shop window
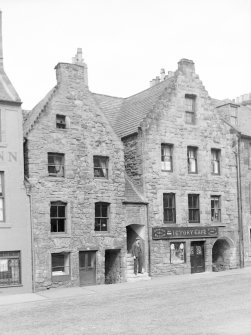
[[60, 265], [190, 108], [58, 217], [169, 208], [60, 121], [193, 208], [101, 216], [56, 164], [215, 161], [100, 166], [215, 208], [177, 252], [166, 157], [10, 268], [192, 159], [2, 212]]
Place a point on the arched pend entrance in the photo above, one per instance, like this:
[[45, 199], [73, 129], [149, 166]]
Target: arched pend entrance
[[133, 231], [221, 255]]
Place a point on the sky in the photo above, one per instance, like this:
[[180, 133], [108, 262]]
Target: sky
[[125, 43]]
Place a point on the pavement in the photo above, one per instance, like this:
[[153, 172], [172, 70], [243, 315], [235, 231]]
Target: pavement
[[59, 293]]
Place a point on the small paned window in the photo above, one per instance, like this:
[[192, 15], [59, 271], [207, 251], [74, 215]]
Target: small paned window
[[60, 121], [215, 208], [166, 157], [169, 208], [215, 161], [58, 217], [192, 159], [194, 208], [101, 216], [2, 214], [100, 166], [10, 268], [60, 264], [56, 164], [177, 252], [190, 108]]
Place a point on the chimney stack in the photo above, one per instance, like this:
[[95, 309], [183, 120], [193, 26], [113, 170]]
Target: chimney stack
[[1, 42], [186, 66]]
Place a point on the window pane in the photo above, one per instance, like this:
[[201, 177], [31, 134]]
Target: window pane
[[53, 211], [61, 224], [54, 225], [97, 210], [104, 211], [103, 224], [61, 211]]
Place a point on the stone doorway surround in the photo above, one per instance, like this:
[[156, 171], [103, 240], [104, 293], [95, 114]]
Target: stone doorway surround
[[222, 254]]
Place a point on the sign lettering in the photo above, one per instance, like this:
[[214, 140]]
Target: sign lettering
[[163, 233]]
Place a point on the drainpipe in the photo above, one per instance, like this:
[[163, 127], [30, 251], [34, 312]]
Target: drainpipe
[[32, 249], [149, 240], [239, 201]]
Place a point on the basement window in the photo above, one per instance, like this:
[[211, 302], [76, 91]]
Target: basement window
[[60, 265]]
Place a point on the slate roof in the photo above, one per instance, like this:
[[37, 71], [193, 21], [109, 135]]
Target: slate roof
[[132, 194], [7, 90], [129, 112], [109, 105], [34, 114]]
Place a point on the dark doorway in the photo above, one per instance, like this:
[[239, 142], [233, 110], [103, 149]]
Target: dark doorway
[[221, 255], [112, 266], [87, 268], [197, 257]]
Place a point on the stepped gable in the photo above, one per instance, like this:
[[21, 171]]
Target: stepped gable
[[34, 114], [132, 194]]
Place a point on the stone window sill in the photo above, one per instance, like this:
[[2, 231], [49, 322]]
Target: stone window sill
[[60, 235]]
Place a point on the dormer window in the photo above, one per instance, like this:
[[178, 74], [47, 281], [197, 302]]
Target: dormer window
[[60, 121], [190, 108]]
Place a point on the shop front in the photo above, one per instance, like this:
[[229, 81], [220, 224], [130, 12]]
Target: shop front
[[188, 249]]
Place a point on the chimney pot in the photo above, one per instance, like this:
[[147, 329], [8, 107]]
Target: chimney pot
[[162, 74]]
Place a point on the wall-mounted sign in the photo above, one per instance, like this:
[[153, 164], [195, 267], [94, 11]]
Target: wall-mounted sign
[[165, 233]]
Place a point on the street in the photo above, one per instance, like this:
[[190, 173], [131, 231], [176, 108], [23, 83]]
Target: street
[[207, 303]]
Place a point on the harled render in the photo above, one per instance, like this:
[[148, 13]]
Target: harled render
[[15, 233]]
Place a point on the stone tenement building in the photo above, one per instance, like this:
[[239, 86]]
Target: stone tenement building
[[15, 233], [179, 152], [183, 190], [75, 166]]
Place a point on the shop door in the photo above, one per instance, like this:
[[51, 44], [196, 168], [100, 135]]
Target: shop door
[[87, 268], [197, 257]]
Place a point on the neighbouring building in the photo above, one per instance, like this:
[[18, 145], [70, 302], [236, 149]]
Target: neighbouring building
[[15, 232], [75, 166], [179, 153]]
